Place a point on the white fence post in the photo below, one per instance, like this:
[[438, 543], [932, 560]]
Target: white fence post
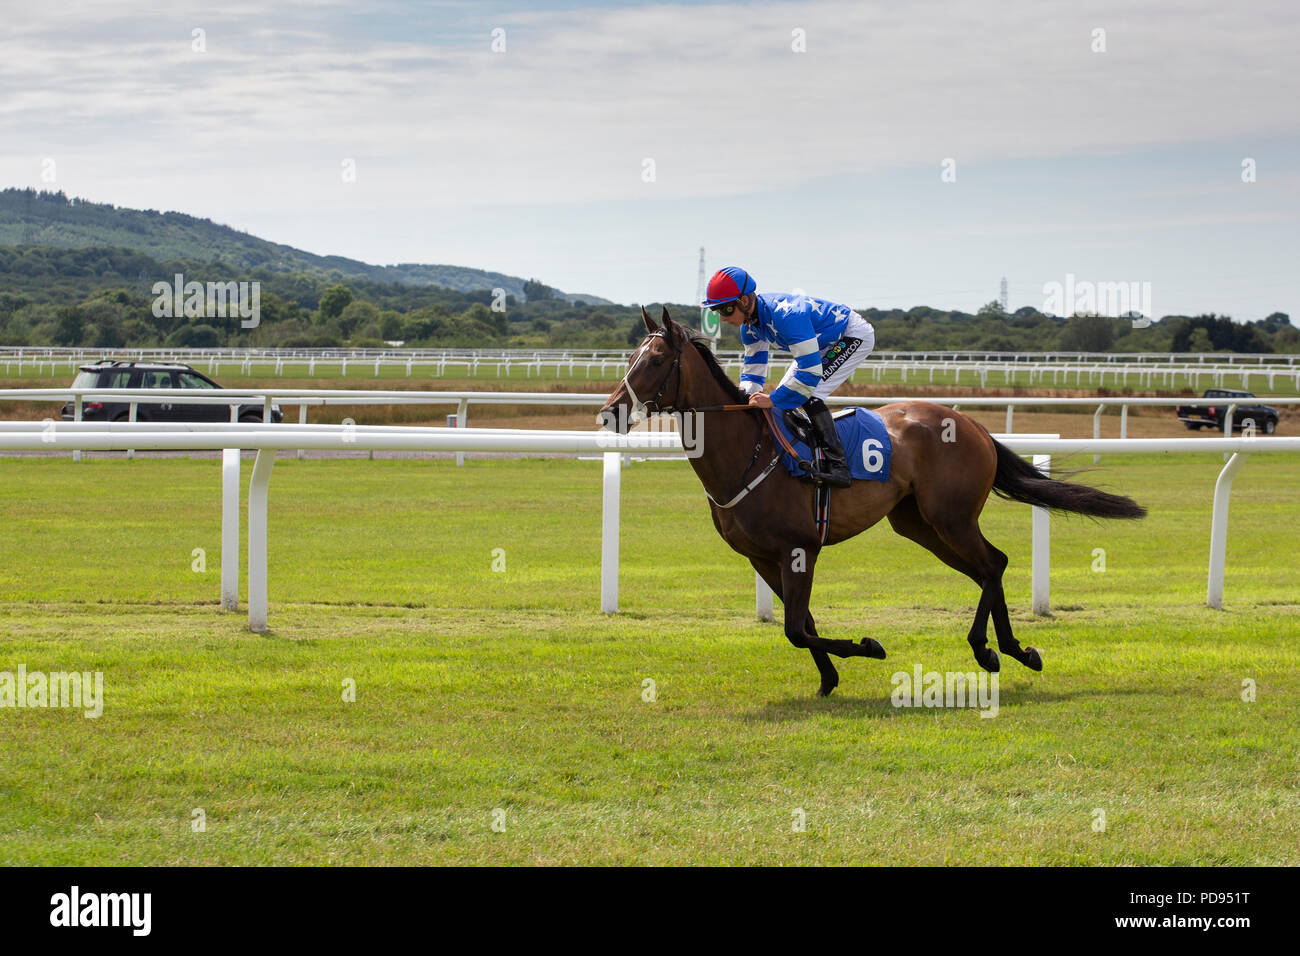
[[259, 493], [230, 529], [76, 417], [1041, 560], [763, 598], [131, 417], [1219, 530], [613, 475], [462, 421], [1228, 417], [1096, 428]]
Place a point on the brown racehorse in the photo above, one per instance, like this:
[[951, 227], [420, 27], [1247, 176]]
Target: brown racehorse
[[943, 467]]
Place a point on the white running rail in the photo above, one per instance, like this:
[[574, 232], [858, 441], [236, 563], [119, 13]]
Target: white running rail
[[268, 439]]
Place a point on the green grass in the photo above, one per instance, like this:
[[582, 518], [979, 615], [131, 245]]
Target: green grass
[[478, 690]]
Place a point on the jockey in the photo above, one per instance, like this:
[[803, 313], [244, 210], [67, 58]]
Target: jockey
[[828, 341]]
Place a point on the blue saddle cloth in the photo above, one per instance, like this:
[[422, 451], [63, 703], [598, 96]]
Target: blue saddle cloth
[[865, 440]]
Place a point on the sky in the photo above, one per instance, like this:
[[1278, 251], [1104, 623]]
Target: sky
[[880, 154]]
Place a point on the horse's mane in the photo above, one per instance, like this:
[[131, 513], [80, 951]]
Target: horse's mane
[[701, 343]]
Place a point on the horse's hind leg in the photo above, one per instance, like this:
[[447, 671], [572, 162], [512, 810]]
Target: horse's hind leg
[[989, 563], [1007, 642], [906, 519], [830, 677]]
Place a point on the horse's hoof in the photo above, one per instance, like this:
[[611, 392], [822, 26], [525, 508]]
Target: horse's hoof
[[826, 690], [872, 648], [988, 659], [1033, 660]]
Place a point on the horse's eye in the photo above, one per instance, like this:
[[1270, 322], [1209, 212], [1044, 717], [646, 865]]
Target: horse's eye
[[656, 361]]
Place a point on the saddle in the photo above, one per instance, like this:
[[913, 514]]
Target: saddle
[[866, 444]]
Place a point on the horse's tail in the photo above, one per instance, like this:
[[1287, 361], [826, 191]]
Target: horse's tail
[[1019, 480]]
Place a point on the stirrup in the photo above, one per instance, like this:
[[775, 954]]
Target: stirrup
[[824, 470], [836, 479]]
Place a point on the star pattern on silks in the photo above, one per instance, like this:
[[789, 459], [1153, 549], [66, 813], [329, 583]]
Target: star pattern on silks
[[840, 313], [783, 305]]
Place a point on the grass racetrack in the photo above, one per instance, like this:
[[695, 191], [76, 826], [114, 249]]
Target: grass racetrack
[[481, 690]]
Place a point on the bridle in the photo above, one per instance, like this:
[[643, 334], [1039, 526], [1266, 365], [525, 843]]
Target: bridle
[[641, 409]]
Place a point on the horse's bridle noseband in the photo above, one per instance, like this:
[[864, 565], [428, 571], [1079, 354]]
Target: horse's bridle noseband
[[642, 408]]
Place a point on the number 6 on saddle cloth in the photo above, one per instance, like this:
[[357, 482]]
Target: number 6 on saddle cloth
[[862, 433]]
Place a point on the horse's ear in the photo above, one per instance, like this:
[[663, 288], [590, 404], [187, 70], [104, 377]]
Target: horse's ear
[[671, 329], [649, 322]]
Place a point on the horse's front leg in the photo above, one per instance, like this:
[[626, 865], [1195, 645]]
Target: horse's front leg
[[796, 590], [770, 571]]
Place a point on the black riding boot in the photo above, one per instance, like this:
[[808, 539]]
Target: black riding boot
[[835, 469]]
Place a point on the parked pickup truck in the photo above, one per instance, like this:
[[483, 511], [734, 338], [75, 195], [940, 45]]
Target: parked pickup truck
[[1196, 417]]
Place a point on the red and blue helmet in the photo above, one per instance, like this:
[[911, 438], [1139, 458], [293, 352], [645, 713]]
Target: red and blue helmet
[[728, 284]]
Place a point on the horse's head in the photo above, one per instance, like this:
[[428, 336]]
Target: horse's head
[[653, 382]]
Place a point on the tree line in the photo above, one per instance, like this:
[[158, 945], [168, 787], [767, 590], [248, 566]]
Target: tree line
[[102, 297]]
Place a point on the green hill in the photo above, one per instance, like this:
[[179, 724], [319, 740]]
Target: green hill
[[51, 219], [75, 273]]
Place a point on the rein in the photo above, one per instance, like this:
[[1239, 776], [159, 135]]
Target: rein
[[721, 408], [778, 438], [740, 495], [758, 447], [642, 408]]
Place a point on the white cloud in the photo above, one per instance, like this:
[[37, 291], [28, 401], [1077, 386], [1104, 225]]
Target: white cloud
[[713, 94], [506, 160]]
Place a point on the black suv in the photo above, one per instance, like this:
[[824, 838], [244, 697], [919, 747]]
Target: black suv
[[146, 375]]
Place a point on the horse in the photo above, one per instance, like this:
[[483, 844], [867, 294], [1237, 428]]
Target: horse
[[944, 465]]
